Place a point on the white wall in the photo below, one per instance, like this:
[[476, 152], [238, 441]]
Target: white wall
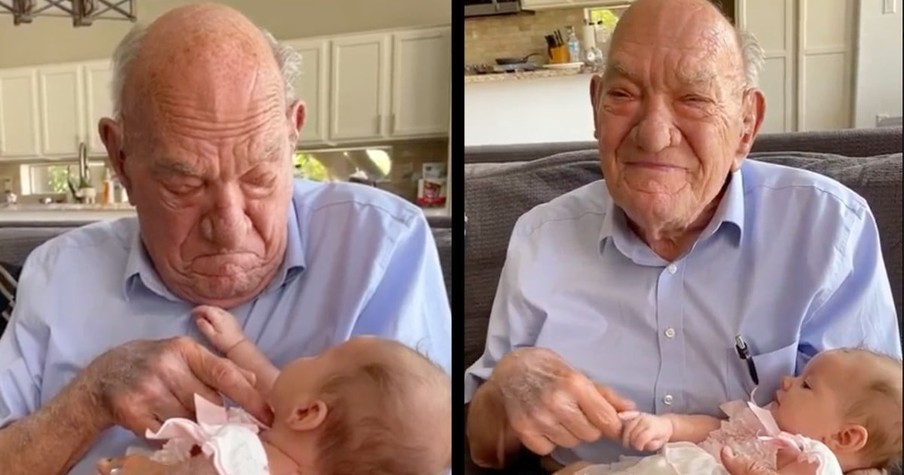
[[878, 71], [528, 111]]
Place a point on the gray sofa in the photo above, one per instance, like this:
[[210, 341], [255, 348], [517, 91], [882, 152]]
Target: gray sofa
[[503, 182]]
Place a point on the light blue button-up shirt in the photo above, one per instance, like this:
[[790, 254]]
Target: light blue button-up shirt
[[791, 262], [359, 261]]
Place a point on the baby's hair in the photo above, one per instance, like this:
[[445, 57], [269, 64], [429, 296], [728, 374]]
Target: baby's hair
[[382, 440], [878, 407]]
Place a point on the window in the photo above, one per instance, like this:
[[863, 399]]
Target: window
[[51, 178]]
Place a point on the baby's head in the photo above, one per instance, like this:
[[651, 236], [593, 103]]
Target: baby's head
[[368, 405], [849, 399]]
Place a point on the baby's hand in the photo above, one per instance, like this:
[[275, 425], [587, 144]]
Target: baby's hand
[[219, 326], [647, 432]]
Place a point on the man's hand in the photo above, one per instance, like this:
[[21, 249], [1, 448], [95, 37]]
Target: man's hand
[[142, 465], [549, 404], [132, 465], [142, 383], [647, 432]]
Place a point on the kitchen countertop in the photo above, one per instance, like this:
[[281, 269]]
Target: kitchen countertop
[[78, 213], [539, 73]]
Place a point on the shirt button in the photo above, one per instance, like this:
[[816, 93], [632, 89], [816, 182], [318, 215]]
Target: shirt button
[[667, 399], [670, 333], [672, 268]]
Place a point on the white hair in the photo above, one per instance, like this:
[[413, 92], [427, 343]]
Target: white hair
[[287, 58], [752, 56]]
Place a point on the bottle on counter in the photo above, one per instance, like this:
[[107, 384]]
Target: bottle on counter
[[107, 195], [574, 46], [592, 55]]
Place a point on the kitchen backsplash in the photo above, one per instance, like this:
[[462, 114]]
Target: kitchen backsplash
[[515, 36]]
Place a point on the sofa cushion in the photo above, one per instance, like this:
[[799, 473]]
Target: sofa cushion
[[497, 194], [9, 276]]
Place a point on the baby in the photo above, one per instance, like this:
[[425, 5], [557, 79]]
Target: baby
[[368, 405], [843, 412]]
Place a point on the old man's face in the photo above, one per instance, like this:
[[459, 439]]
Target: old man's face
[[673, 116], [206, 157]]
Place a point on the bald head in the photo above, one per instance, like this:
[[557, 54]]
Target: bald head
[[691, 25], [208, 53]]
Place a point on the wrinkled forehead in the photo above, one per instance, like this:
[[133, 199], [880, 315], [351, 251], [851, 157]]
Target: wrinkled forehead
[[220, 85], [694, 44]]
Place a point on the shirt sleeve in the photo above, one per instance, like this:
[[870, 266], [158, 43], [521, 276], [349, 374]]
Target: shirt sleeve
[[23, 345], [860, 310], [515, 319], [409, 303]]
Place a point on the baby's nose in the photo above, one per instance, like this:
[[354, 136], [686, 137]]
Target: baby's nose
[[786, 382]]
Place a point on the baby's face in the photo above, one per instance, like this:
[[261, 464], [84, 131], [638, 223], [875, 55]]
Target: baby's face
[[812, 404]]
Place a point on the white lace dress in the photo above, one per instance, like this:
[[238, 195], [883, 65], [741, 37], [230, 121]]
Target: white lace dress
[[749, 430]]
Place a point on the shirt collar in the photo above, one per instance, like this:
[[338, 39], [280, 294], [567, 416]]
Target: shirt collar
[[140, 270], [730, 210]]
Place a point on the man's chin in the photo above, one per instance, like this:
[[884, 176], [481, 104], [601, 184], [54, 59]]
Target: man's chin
[[223, 291]]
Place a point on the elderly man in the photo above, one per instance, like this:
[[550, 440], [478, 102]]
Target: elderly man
[[102, 343], [634, 291]]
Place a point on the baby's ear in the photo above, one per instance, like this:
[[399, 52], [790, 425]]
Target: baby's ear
[[308, 416], [850, 439]]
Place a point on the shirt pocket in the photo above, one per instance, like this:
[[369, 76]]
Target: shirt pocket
[[771, 366]]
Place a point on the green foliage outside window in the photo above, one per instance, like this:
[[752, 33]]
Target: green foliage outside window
[[306, 166]]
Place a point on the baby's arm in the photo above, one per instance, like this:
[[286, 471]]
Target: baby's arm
[[649, 432], [223, 331]]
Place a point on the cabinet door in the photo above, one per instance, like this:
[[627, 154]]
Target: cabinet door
[[360, 87], [420, 83], [62, 115], [98, 102], [19, 113], [772, 22], [312, 87]]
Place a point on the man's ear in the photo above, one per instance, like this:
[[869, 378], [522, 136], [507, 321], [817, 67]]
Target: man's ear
[[849, 439], [753, 111], [308, 416], [296, 115], [595, 83], [111, 135]]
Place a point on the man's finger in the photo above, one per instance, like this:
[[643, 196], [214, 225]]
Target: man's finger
[[576, 422], [600, 413], [537, 444], [227, 378], [561, 436], [620, 403]]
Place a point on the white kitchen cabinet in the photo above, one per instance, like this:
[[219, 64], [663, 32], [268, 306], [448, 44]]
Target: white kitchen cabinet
[[542, 4], [62, 109], [98, 76], [359, 92], [312, 87], [421, 61], [19, 131]]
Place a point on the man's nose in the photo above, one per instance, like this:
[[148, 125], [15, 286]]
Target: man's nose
[[655, 130], [226, 224]]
